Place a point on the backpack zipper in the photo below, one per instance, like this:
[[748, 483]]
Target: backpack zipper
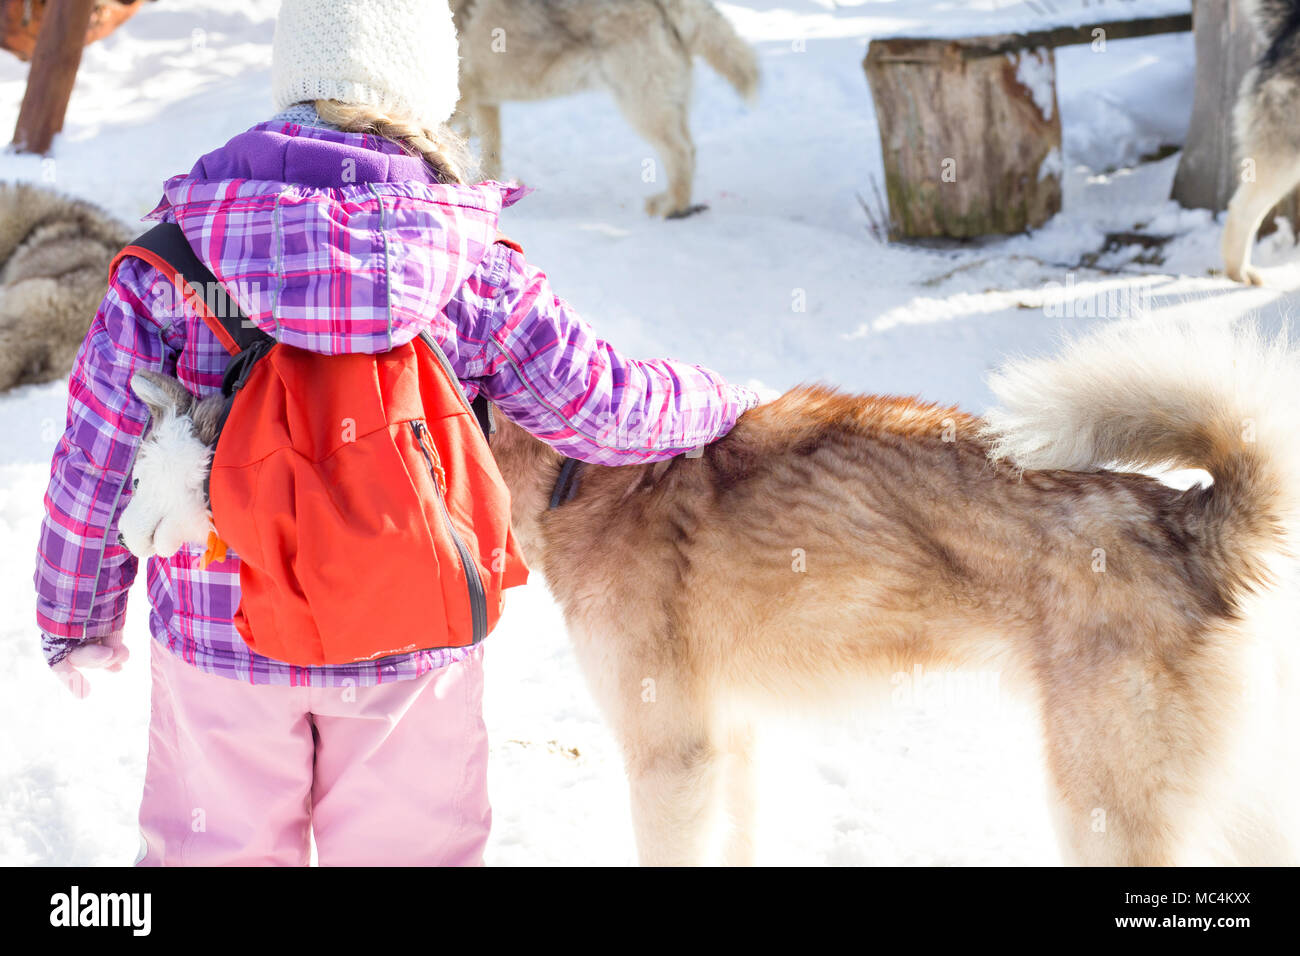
[[477, 598]]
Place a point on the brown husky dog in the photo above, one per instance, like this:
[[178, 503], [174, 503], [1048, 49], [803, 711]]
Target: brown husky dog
[[831, 540]]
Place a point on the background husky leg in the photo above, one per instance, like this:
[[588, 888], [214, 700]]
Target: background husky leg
[[655, 101], [1275, 177]]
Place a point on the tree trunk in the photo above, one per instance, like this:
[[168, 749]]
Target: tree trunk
[[1226, 47], [52, 75], [970, 132]]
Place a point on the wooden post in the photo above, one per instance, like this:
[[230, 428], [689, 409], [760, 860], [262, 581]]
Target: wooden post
[[1226, 47], [970, 132], [52, 75]]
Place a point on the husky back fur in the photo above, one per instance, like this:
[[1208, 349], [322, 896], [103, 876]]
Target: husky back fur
[[830, 541], [639, 50], [1266, 123], [54, 257]]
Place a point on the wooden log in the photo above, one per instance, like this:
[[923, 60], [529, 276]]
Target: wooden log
[[1226, 47], [1067, 35], [52, 75], [971, 140], [20, 22]]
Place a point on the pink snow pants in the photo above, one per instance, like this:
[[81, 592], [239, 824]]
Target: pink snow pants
[[238, 774]]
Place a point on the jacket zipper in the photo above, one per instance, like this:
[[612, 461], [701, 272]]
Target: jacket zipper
[[477, 598]]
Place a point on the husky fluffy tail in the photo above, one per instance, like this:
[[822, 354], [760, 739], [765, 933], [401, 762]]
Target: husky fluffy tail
[[709, 34], [1209, 397]]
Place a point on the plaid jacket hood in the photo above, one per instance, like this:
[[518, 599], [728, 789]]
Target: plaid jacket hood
[[316, 224]]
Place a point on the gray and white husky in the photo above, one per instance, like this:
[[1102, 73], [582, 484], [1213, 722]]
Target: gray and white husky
[[640, 50], [54, 256], [1267, 131]]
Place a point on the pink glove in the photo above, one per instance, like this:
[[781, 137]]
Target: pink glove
[[108, 653]]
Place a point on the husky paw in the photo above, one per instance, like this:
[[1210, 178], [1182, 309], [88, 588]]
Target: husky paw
[[688, 211], [664, 205], [1247, 275]]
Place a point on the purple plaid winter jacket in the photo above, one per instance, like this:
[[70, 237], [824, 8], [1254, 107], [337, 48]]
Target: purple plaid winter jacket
[[334, 242]]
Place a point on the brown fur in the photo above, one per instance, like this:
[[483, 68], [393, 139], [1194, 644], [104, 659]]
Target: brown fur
[[920, 550], [54, 256]]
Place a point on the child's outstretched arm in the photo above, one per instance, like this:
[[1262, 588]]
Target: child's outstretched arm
[[82, 573], [546, 370]]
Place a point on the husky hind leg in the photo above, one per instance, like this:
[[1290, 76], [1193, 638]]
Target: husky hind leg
[[657, 106], [1130, 761], [1246, 211]]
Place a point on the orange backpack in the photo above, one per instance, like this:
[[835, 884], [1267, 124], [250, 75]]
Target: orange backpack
[[358, 490]]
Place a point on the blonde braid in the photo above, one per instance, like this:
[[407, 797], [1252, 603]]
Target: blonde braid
[[445, 153]]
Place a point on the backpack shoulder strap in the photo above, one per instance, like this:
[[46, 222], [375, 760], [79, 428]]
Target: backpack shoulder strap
[[166, 249]]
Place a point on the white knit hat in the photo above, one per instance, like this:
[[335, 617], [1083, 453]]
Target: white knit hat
[[397, 55]]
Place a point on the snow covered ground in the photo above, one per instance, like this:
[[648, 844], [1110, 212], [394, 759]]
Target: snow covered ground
[[932, 778]]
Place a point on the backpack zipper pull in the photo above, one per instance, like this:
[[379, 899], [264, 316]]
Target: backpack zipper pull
[[431, 456]]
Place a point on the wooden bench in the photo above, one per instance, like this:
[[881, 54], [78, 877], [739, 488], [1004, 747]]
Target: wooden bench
[[970, 129]]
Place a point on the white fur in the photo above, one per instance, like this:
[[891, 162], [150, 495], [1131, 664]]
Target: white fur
[[1146, 395], [168, 508]]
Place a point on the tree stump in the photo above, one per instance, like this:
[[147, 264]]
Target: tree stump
[[1226, 47], [970, 132]]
